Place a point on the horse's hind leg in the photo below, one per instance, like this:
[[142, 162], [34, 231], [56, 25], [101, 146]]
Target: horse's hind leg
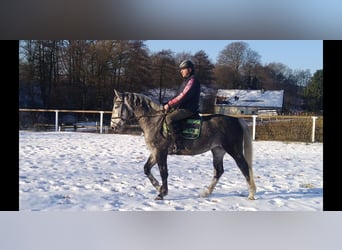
[[218, 154], [247, 172]]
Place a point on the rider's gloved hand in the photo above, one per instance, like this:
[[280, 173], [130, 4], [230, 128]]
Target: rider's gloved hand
[[166, 107]]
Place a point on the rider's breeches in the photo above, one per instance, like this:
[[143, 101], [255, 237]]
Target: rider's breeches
[[175, 116]]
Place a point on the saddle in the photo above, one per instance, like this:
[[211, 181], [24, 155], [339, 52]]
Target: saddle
[[189, 128]]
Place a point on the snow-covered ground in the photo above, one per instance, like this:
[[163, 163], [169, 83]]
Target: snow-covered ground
[[75, 171]]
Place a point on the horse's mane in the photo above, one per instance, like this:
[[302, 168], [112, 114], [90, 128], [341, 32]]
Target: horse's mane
[[140, 100]]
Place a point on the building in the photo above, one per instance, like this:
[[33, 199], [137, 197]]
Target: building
[[249, 102]]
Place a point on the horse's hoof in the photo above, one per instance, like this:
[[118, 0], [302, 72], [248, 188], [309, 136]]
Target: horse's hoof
[[251, 197], [159, 197], [205, 194]]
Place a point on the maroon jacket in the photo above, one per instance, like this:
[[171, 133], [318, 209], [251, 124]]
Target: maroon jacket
[[188, 97]]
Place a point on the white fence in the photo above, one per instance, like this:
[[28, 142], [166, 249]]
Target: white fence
[[58, 127], [101, 127]]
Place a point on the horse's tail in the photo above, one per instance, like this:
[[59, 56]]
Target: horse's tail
[[248, 153]]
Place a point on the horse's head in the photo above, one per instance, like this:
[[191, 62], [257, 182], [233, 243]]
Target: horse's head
[[121, 111]]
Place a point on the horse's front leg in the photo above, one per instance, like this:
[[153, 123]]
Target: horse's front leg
[[151, 161], [162, 164]]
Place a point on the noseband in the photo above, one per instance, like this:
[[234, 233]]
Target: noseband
[[120, 113], [121, 110]]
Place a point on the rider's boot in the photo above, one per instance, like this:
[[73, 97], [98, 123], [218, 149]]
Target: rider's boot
[[176, 147]]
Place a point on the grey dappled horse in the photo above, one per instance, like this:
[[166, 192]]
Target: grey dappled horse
[[219, 133]]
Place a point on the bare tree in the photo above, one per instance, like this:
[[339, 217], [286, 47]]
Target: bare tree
[[241, 60], [203, 68], [138, 70], [233, 56], [163, 71], [119, 62], [249, 68]]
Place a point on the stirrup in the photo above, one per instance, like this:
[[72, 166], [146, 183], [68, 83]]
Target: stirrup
[[175, 148]]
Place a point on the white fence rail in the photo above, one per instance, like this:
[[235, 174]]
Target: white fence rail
[[59, 127], [101, 126]]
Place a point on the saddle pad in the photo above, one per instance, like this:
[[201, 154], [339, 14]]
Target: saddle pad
[[191, 128]]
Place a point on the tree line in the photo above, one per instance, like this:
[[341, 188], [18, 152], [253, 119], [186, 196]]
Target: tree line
[[82, 74]]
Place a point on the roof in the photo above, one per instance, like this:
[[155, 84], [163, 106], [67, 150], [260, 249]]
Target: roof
[[240, 97]]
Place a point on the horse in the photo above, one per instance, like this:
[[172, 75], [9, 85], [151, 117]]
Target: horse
[[219, 133]]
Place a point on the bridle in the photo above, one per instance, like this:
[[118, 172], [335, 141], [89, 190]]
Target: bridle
[[122, 102], [123, 119]]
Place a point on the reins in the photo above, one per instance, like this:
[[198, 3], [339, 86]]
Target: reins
[[162, 113], [157, 113]]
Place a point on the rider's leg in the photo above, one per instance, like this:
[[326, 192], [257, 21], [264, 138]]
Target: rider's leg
[[171, 120]]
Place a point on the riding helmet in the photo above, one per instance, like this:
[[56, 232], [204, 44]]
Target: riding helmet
[[186, 64]]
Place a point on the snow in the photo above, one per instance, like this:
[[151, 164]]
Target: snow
[[260, 98], [77, 171]]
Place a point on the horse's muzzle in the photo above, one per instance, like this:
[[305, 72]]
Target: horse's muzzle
[[116, 126]]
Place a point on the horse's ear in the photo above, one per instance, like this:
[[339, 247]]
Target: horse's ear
[[117, 93]]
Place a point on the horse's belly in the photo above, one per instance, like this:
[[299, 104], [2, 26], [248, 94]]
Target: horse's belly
[[199, 147]]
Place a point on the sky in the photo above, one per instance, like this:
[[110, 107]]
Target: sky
[[78, 171], [296, 54]]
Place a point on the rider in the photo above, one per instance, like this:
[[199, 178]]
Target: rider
[[186, 102]]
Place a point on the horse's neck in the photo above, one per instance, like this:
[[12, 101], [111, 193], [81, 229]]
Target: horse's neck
[[144, 107], [149, 120], [149, 117]]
